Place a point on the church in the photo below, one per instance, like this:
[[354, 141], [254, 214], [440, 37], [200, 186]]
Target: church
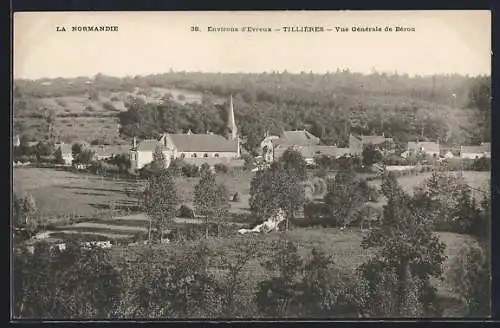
[[192, 148]]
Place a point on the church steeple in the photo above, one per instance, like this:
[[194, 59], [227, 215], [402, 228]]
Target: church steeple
[[231, 123]]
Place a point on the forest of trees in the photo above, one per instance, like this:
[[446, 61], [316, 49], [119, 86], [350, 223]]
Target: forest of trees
[[451, 108]]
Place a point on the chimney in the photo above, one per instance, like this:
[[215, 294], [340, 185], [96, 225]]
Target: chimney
[[134, 143]]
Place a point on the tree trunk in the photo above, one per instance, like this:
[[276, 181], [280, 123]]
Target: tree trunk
[[162, 229], [149, 230], [403, 275], [206, 227]]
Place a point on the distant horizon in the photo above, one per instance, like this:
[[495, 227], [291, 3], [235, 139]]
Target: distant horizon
[[442, 42], [389, 73]]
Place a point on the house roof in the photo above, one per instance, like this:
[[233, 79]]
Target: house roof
[[486, 145], [147, 145], [299, 138], [65, 148], [475, 149], [426, 145], [203, 143], [109, 150], [309, 151], [375, 140]]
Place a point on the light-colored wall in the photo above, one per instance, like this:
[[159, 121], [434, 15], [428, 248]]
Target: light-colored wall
[[68, 159], [268, 156], [143, 158], [474, 155], [146, 157], [178, 154], [431, 153]]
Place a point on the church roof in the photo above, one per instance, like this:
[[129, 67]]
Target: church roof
[[298, 138], [147, 145], [203, 143], [309, 151]]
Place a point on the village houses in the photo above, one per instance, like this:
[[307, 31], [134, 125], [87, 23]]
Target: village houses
[[273, 147], [427, 147], [473, 152], [192, 148]]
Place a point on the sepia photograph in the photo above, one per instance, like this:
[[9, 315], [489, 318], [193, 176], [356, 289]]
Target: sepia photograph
[[263, 165]]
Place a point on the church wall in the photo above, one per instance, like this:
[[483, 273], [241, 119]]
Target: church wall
[[143, 158], [187, 154]]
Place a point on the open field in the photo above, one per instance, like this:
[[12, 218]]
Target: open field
[[84, 196], [477, 180], [59, 192], [344, 246]]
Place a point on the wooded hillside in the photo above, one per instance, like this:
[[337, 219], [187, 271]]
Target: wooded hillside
[[454, 109]]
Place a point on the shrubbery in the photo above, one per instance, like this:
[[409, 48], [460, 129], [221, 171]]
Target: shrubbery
[[221, 168], [190, 171]]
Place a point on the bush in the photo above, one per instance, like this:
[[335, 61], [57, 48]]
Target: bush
[[204, 168], [221, 168], [185, 212], [236, 197], [175, 167], [469, 275], [315, 210], [108, 106], [190, 171], [482, 164]]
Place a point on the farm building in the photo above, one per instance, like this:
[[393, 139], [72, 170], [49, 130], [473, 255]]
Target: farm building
[[16, 142], [102, 152], [427, 147], [473, 152], [66, 153], [307, 144], [196, 148], [357, 143]]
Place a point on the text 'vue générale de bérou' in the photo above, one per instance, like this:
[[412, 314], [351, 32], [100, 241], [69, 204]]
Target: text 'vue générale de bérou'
[[309, 29]]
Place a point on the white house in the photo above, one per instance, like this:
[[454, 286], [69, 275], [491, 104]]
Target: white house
[[66, 153], [473, 152], [426, 147], [306, 143]]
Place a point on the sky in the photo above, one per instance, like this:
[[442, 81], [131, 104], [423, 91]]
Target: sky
[[444, 42]]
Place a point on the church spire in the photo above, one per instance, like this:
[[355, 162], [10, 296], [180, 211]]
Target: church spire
[[231, 123]]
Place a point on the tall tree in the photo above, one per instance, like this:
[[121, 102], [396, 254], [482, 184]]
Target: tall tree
[[74, 283], [293, 161], [371, 155], [345, 197], [275, 188], [405, 243], [159, 160], [211, 199], [161, 201]]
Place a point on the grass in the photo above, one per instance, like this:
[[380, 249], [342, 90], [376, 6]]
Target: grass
[[474, 178], [59, 193], [344, 246]]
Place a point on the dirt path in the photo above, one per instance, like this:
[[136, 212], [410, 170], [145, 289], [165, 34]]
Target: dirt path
[[104, 226], [103, 234]]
